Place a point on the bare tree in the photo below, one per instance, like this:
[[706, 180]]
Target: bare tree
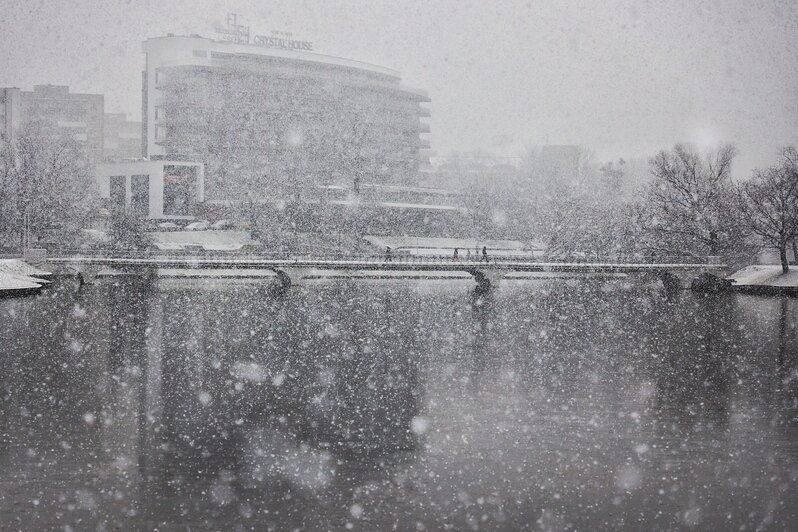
[[127, 229], [491, 191], [769, 203], [691, 202], [44, 186]]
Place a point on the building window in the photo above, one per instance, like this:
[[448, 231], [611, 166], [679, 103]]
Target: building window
[[140, 194], [179, 184], [118, 192]]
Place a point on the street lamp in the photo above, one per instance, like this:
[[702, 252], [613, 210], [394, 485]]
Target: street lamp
[[26, 229]]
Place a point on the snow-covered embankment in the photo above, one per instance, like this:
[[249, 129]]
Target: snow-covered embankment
[[765, 279], [17, 277]]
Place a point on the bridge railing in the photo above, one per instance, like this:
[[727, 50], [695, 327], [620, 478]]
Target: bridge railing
[[397, 258]]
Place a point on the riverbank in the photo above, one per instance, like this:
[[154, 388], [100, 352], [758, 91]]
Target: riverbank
[[18, 278], [765, 279]]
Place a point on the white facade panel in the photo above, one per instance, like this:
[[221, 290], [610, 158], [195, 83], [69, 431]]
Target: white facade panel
[[155, 171]]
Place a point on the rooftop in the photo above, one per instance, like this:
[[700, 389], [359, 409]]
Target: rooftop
[[255, 49]]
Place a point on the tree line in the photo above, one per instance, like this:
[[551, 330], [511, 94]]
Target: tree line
[[48, 194], [679, 203], [46, 188]]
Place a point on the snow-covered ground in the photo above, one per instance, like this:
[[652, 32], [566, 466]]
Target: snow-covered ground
[[765, 275], [10, 284], [207, 240], [17, 276], [20, 267]]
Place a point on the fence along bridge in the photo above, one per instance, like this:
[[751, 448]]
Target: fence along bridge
[[289, 268]]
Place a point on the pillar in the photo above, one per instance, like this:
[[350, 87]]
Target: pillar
[[288, 277], [487, 279]]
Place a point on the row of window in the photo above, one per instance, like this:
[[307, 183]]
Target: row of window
[[139, 193], [179, 184]]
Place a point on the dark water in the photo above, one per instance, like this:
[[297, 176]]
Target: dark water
[[404, 405]]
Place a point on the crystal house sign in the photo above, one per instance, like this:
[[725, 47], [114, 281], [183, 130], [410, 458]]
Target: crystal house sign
[[280, 42], [239, 33]]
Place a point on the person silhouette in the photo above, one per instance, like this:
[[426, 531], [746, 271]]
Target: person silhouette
[[455, 254], [484, 253]]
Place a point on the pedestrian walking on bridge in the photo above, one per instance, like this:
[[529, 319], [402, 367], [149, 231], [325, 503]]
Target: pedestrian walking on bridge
[[484, 254], [388, 257], [455, 254]]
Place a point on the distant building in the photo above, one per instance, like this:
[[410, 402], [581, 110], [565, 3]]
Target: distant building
[[561, 163], [122, 137], [462, 172], [377, 193], [57, 112], [285, 114], [155, 189], [10, 111]]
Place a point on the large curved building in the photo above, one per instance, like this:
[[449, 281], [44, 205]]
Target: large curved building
[[266, 120]]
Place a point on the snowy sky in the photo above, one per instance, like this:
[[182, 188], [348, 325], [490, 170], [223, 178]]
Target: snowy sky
[[621, 78]]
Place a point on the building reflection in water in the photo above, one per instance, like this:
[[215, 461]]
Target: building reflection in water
[[483, 329], [692, 376], [280, 391], [207, 403], [787, 360]]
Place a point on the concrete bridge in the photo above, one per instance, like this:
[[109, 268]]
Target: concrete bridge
[[289, 268]]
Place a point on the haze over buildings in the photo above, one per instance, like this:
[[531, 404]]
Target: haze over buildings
[[258, 114], [620, 79], [56, 111], [122, 137]]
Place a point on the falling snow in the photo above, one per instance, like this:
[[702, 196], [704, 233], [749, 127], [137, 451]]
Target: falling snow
[[449, 265]]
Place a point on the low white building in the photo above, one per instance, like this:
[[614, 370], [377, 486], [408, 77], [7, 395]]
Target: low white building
[[155, 189]]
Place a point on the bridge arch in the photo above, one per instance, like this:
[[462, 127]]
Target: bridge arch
[[671, 281], [486, 278], [288, 277]]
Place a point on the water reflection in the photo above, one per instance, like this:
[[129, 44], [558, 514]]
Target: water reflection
[[315, 375], [396, 403], [692, 376], [483, 329]]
